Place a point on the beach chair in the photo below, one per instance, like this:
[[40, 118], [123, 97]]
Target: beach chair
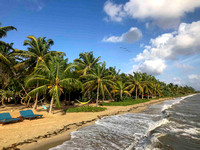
[[46, 108], [28, 114], [6, 118]]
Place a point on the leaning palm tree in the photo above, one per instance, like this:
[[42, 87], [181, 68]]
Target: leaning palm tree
[[3, 33], [38, 51], [98, 79], [86, 62], [51, 77], [120, 88]]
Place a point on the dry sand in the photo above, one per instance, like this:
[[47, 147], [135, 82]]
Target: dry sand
[[52, 130]]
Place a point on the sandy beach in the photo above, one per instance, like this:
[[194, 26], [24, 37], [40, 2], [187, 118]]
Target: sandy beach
[[52, 130]]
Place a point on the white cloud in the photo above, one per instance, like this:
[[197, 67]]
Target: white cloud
[[194, 81], [114, 11], [153, 67], [169, 46], [165, 13], [133, 35]]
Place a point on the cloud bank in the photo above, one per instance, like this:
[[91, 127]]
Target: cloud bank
[[133, 35], [169, 46], [164, 13]]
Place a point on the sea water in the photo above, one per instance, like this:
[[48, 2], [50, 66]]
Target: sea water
[[170, 125]]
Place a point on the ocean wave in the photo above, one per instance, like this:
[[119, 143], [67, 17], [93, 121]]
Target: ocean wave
[[140, 131], [176, 101]]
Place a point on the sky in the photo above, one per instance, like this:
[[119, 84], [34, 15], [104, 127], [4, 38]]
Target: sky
[[159, 37]]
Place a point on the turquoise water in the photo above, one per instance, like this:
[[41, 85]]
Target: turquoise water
[[171, 125]]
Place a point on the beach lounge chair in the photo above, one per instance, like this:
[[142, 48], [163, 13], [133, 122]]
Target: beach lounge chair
[[46, 108], [6, 118], [28, 114]]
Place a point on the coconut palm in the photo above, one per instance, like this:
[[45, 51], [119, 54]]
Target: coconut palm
[[3, 33], [38, 51], [8, 64], [98, 79], [157, 88], [5, 55], [146, 84], [134, 83], [52, 78], [86, 62], [114, 73], [120, 88]]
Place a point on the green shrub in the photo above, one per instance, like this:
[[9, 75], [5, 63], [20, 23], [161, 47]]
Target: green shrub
[[86, 109], [127, 101]]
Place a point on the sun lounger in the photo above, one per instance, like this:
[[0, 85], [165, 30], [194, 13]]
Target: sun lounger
[[28, 114], [6, 118], [46, 108]]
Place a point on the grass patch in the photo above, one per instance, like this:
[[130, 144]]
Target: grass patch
[[86, 109], [125, 102]]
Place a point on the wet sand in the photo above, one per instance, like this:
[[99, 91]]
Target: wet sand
[[53, 130]]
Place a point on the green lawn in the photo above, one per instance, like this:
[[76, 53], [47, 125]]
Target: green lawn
[[125, 102], [86, 109]]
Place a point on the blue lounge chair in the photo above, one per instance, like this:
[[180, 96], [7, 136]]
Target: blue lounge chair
[[46, 108], [6, 118], [28, 114]]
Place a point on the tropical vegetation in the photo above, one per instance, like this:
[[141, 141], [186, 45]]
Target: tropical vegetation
[[37, 74]]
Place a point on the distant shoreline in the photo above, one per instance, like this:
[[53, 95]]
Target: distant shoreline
[[58, 139]]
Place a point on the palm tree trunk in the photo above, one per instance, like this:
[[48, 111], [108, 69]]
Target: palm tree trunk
[[3, 103], [51, 105], [36, 99], [142, 96], [28, 102], [69, 99], [148, 95], [121, 95], [136, 92], [97, 94]]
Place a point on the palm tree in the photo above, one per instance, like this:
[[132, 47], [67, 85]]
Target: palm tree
[[38, 51], [3, 33], [134, 83], [98, 79], [86, 62], [112, 71], [157, 88], [5, 55], [8, 64], [52, 78], [121, 89], [146, 84]]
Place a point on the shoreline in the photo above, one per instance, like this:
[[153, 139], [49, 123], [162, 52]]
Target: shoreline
[[62, 135], [59, 135]]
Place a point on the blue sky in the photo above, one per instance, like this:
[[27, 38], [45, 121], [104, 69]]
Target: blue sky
[[156, 37]]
